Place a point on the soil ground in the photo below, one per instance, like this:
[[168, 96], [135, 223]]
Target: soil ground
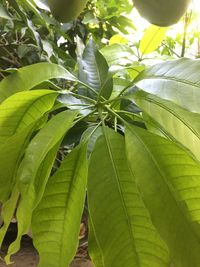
[[28, 257]]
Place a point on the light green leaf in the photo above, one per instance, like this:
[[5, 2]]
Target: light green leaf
[[20, 115], [46, 139], [118, 39], [30, 197], [176, 122], [42, 144], [121, 224], [28, 77], [169, 180], [152, 38], [56, 221], [22, 109], [13, 150], [177, 80]]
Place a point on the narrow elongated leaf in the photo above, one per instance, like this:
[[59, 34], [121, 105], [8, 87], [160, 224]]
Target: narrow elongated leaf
[[39, 147], [19, 115], [30, 195], [56, 221], [46, 139], [176, 122], [93, 71], [152, 38], [169, 180], [176, 80], [13, 150], [22, 109], [121, 224], [28, 77]]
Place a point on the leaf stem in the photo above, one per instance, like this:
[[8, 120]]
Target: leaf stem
[[116, 115]]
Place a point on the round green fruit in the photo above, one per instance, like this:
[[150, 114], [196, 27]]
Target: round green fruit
[[66, 10], [162, 12]]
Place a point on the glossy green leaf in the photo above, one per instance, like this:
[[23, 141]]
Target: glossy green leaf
[[152, 38], [93, 71], [22, 109], [56, 221], [169, 180], [121, 224], [176, 122], [29, 173], [28, 77], [176, 80]]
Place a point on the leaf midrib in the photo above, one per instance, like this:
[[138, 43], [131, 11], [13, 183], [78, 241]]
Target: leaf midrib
[[176, 115], [29, 108], [121, 196], [168, 186], [169, 78]]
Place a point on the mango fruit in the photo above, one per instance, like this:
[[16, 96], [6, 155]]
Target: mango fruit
[[162, 12], [66, 10]]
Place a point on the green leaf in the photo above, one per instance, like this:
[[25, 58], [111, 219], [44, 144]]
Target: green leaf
[[169, 180], [121, 224], [176, 122], [152, 38], [28, 77], [93, 71], [118, 39], [30, 6], [46, 139], [94, 250], [72, 102], [56, 221], [20, 115], [13, 150], [43, 143], [29, 198], [176, 80], [22, 109]]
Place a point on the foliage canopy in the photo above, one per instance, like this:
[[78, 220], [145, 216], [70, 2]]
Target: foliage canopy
[[95, 127]]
